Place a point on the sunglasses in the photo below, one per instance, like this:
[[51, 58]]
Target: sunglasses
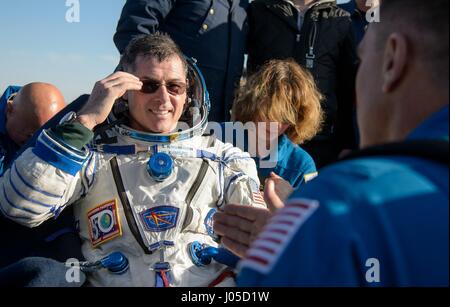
[[173, 87]]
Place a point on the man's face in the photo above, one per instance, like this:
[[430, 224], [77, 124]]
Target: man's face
[[372, 110], [19, 131], [21, 124], [158, 112]]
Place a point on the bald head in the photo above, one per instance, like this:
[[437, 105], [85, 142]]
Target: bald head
[[33, 106]]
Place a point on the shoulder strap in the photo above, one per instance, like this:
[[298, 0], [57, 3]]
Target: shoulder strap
[[126, 205], [194, 189], [433, 150]]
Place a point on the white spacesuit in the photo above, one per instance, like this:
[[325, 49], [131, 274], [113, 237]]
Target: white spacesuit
[[147, 196]]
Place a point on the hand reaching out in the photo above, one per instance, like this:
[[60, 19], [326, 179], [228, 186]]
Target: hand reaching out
[[276, 192], [239, 226]]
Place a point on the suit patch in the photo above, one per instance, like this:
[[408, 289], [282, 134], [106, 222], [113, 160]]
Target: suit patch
[[311, 176], [253, 185], [209, 224], [277, 234], [160, 219], [257, 195], [104, 223]]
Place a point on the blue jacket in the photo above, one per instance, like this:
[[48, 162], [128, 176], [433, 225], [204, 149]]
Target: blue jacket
[[359, 21], [212, 31], [294, 164], [8, 148], [378, 221]]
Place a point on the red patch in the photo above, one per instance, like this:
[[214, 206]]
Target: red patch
[[104, 223]]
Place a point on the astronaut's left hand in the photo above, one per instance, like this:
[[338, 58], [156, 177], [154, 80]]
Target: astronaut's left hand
[[239, 225]]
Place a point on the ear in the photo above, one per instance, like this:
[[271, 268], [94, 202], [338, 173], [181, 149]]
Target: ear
[[9, 108], [394, 61]]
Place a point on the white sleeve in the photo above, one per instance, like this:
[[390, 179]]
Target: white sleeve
[[241, 182], [44, 180]]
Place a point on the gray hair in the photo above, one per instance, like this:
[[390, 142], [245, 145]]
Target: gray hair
[[158, 45]]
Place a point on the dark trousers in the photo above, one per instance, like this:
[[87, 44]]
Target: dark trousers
[[38, 272]]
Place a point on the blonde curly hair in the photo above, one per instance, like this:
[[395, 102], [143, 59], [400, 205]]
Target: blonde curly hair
[[283, 92]]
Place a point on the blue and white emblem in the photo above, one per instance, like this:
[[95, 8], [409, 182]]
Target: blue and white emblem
[[209, 224], [160, 219]]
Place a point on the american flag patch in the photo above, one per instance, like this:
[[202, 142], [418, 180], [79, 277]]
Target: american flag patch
[[257, 195], [271, 242], [258, 198]]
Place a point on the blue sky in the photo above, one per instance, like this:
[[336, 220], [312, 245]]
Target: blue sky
[[38, 44]]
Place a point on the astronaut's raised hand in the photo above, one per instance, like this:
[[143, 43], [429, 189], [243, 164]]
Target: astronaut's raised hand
[[103, 96], [239, 225]]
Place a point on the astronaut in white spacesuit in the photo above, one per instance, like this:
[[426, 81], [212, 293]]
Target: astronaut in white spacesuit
[[146, 186]]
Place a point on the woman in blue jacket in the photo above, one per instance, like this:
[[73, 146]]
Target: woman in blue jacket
[[284, 94]]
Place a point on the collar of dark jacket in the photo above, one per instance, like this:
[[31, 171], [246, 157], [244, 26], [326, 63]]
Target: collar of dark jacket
[[281, 5], [286, 10]]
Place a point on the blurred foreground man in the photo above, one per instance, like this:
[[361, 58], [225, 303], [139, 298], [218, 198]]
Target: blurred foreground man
[[380, 218]]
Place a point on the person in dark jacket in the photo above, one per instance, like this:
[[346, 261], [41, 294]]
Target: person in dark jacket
[[358, 11], [213, 32], [319, 36], [360, 14]]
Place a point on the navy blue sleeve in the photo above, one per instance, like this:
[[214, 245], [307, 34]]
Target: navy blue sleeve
[[305, 246], [345, 89], [367, 222], [140, 17], [304, 170]]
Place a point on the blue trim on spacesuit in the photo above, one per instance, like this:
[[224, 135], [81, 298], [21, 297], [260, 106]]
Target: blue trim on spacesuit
[[234, 179], [206, 99], [12, 217], [11, 204], [59, 146], [26, 198], [33, 187], [58, 155]]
